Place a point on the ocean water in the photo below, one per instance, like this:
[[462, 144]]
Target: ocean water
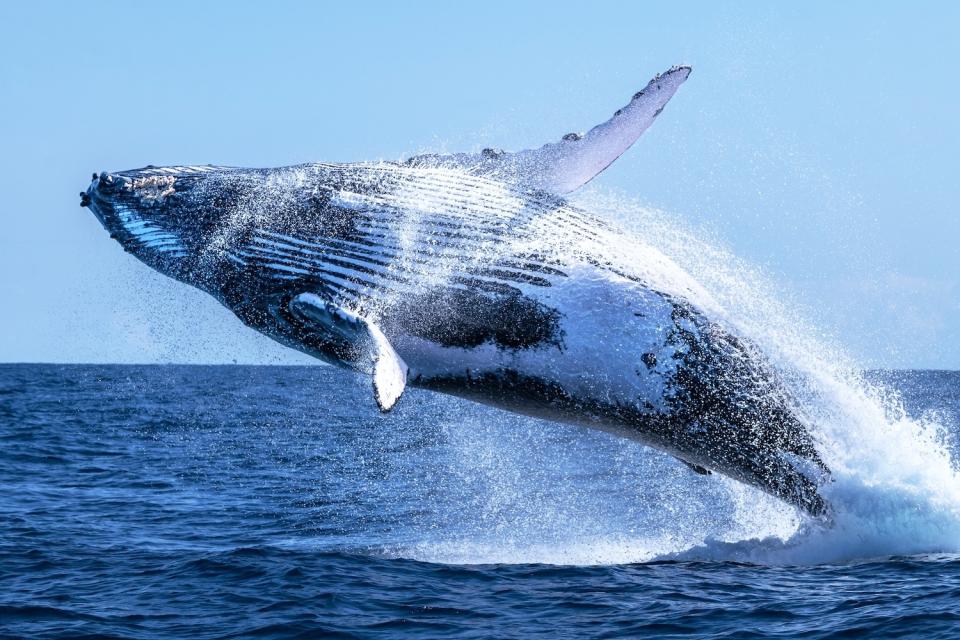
[[277, 502]]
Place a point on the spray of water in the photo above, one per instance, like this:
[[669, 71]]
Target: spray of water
[[894, 489]]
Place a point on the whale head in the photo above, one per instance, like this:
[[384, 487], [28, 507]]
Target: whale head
[[162, 216]]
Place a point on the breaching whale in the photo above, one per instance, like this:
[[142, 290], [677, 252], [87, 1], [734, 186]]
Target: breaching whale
[[469, 274]]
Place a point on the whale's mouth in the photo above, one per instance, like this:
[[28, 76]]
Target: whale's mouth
[[131, 208], [100, 198]]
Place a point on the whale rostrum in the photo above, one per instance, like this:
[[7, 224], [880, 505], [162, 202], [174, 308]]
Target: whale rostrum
[[469, 274]]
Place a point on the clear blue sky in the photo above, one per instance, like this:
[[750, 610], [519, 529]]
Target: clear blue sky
[[819, 141]]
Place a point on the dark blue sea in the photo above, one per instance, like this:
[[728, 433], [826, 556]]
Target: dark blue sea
[[277, 502]]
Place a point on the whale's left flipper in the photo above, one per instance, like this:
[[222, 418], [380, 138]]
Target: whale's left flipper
[[389, 371], [366, 339], [564, 166]]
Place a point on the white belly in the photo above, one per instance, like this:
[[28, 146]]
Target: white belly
[[614, 347]]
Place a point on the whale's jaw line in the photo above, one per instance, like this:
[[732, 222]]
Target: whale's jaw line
[[113, 199], [99, 198]]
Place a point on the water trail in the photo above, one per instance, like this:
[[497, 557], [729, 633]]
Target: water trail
[[894, 488]]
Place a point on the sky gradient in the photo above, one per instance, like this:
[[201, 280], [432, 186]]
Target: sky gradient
[[819, 143]]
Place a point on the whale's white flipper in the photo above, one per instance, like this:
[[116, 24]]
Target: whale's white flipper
[[389, 371], [365, 338], [564, 166]]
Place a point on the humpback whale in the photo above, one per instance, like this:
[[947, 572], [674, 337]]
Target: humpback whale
[[470, 274]]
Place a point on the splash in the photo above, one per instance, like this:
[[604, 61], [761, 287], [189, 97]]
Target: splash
[[894, 488]]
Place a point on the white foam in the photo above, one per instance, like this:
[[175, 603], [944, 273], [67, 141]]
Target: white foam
[[894, 488]]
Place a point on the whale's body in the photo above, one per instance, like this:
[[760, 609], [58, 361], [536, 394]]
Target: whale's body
[[469, 275]]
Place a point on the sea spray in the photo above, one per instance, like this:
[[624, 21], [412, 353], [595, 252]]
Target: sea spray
[[894, 489]]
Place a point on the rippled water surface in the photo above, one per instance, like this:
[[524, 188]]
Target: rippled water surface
[[212, 502]]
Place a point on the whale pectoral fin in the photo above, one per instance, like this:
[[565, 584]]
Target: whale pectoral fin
[[389, 371], [333, 322], [703, 471], [367, 341], [567, 165]]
